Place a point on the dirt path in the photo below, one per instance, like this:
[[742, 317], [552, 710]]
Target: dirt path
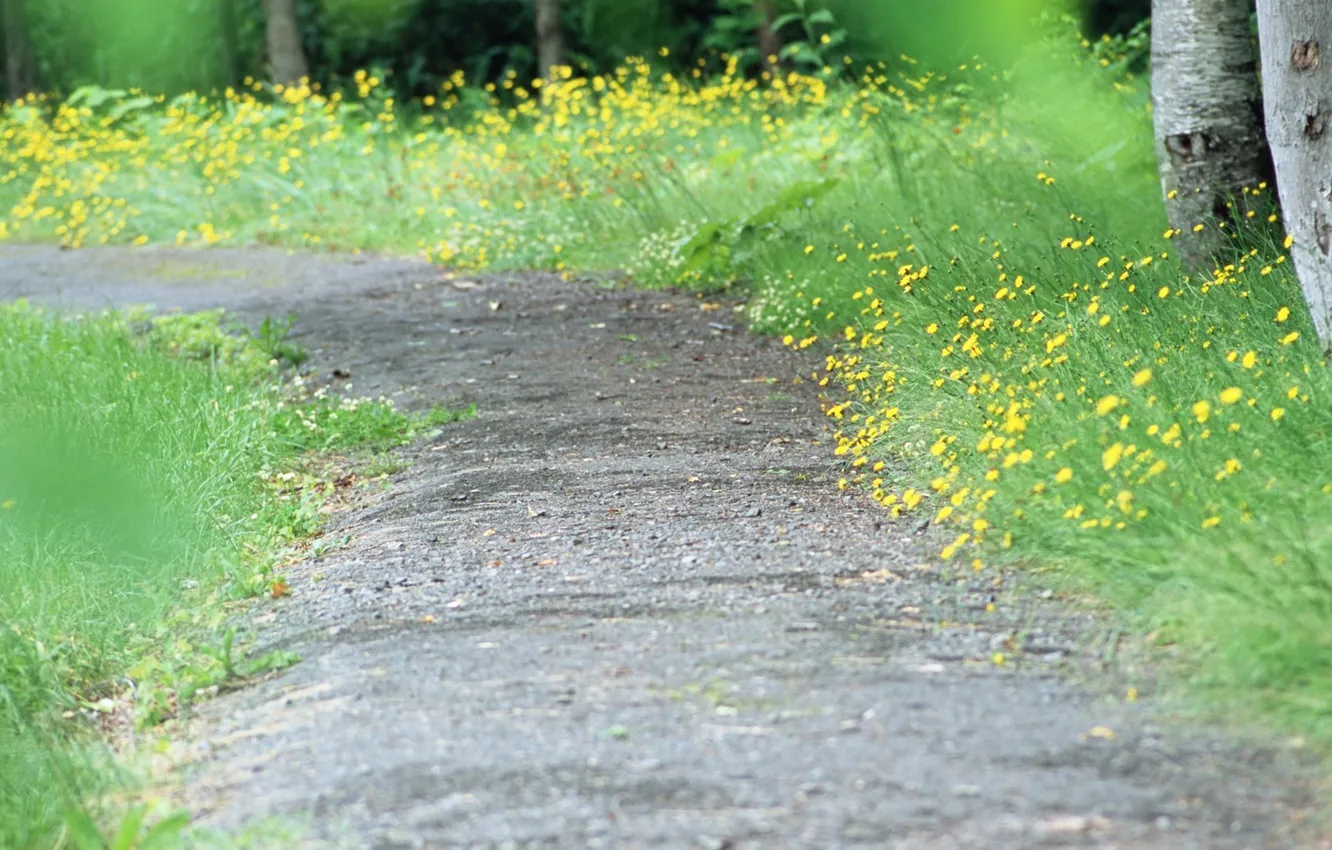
[[626, 606]]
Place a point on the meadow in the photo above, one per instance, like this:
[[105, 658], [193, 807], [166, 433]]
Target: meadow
[[976, 258]]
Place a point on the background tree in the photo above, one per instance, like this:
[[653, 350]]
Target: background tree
[[20, 63], [549, 37], [1297, 91], [769, 40], [285, 54], [1207, 112], [228, 41]]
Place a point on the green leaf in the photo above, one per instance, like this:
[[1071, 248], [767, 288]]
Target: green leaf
[[821, 16], [83, 831], [165, 832], [797, 196], [128, 833], [134, 104]]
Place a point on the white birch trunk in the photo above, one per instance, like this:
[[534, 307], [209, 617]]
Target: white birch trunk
[[1297, 91], [1208, 119]]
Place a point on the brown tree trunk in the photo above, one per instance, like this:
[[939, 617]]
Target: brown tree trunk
[[20, 63], [1297, 92], [226, 24], [549, 37], [1207, 111], [285, 54], [769, 41]]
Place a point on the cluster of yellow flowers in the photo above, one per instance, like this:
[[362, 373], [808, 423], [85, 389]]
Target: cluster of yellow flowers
[[1097, 396]]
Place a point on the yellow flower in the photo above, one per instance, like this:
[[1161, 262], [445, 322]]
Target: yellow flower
[[1163, 292], [1064, 476], [1110, 457], [1290, 337], [809, 249], [1231, 395], [1288, 241], [1201, 410], [1211, 522], [1107, 404], [1277, 413], [1248, 360], [1141, 378], [1283, 314]]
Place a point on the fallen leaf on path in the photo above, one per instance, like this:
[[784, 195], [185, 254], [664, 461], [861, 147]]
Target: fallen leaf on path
[[489, 532], [456, 603], [465, 285], [548, 562], [708, 307], [428, 618], [279, 589], [495, 305], [1103, 732], [1072, 824]]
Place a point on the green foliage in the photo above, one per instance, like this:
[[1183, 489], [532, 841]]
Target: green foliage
[[716, 251], [179, 45]]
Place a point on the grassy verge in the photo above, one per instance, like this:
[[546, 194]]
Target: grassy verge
[[151, 474], [1012, 349]]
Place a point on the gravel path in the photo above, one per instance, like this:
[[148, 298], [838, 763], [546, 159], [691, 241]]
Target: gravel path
[[626, 606]]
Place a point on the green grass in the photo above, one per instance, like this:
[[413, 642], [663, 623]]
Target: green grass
[[142, 494]]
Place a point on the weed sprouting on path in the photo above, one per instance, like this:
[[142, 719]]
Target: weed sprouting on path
[[152, 472], [1013, 352]]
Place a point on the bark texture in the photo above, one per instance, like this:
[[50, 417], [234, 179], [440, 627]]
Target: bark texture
[[1207, 111], [1297, 90], [769, 40], [285, 54], [20, 62], [549, 37]]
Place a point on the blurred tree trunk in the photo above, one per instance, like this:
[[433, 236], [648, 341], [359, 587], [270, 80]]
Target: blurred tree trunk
[[769, 41], [1207, 111], [20, 63], [1297, 91], [226, 25], [549, 37], [285, 54]]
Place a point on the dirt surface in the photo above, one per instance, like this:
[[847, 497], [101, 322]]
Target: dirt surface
[[626, 606]]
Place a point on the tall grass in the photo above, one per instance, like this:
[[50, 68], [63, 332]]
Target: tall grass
[[135, 467], [1011, 347], [124, 475]]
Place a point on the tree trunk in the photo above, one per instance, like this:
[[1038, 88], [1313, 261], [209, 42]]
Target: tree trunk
[[549, 37], [1297, 90], [769, 41], [226, 25], [1207, 111], [285, 54], [20, 63]]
